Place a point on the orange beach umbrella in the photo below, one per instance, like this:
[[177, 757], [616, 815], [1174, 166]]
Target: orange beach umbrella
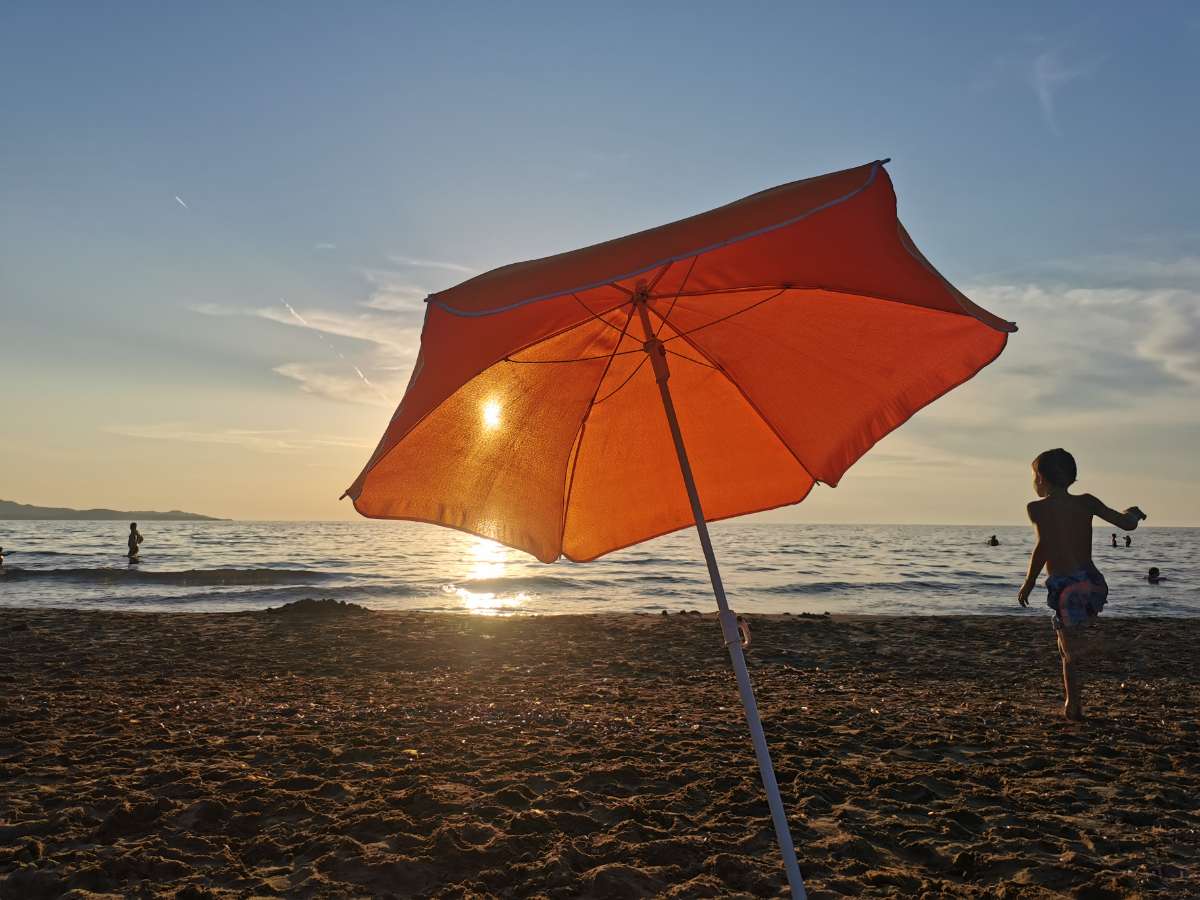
[[754, 350]]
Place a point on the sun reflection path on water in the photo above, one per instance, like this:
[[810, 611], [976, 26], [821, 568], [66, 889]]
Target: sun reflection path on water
[[487, 561]]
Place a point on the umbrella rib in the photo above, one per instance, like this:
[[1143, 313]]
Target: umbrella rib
[[628, 378], [675, 299], [638, 368], [574, 359], [746, 289], [600, 318], [574, 456], [662, 324], [691, 359], [658, 276], [684, 334], [737, 387], [792, 286]]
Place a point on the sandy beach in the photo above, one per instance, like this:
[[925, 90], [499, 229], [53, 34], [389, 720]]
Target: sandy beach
[[418, 755]]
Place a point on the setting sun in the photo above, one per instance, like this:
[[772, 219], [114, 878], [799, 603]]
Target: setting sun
[[491, 414]]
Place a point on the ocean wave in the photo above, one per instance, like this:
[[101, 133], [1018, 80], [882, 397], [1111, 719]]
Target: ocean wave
[[261, 597], [641, 578], [188, 578], [43, 553], [639, 561], [503, 585], [849, 587]]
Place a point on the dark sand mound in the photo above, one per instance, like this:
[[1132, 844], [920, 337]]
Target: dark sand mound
[[604, 757], [308, 608]]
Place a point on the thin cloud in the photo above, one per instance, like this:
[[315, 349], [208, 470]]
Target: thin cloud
[[1049, 73], [180, 202], [393, 292], [1086, 355], [321, 381], [1135, 310], [392, 343], [414, 262], [1173, 337], [396, 336], [324, 246], [282, 441], [334, 350], [1127, 269]]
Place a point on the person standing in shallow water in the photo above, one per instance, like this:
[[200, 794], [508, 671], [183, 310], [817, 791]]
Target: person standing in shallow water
[[1075, 589], [135, 540], [1128, 540], [1114, 540]]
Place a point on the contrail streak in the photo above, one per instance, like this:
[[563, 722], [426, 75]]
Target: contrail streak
[[179, 200], [333, 349]]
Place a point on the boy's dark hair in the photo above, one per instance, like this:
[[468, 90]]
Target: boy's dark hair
[[1154, 570], [1057, 466]]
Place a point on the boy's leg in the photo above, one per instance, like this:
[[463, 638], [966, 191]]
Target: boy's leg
[[1068, 649], [1072, 647]]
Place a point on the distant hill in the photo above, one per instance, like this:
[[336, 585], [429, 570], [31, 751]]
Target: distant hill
[[10, 510]]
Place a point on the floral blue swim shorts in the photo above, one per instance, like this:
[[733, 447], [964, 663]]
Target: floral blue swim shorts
[[1076, 598]]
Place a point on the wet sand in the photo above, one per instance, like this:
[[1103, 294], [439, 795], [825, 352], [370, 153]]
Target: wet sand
[[409, 755]]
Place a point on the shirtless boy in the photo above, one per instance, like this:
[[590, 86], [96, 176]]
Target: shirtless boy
[[1076, 590]]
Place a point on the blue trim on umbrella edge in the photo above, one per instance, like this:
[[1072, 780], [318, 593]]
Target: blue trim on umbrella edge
[[587, 287]]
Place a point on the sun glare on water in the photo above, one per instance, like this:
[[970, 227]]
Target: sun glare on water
[[487, 560]]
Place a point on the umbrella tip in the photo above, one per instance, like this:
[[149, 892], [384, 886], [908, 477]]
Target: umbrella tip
[[885, 160]]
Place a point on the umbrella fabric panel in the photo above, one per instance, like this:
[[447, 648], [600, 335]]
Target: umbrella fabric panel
[[492, 459], [857, 247], [630, 256], [838, 232], [455, 349], [834, 373], [625, 486]]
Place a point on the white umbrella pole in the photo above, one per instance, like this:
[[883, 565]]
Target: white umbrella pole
[[729, 626]]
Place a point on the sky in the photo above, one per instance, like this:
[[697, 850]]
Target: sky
[[220, 220]]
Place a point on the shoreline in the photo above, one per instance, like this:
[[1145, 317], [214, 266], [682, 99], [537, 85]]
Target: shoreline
[[595, 754], [1043, 614]]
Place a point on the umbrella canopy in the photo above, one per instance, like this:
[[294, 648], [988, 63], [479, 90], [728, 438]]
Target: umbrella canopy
[[801, 325], [781, 336]]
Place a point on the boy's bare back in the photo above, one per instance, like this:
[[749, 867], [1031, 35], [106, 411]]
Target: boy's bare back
[[1063, 523]]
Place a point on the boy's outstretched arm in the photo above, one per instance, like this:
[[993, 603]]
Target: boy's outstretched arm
[[1126, 521]]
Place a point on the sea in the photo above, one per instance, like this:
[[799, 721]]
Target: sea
[[767, 568]]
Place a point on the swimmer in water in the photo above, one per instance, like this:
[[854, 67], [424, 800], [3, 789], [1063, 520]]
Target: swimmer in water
[[1153, 577], [135, 540]]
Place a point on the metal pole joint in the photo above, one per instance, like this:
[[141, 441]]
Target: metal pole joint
[[658, 359]]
